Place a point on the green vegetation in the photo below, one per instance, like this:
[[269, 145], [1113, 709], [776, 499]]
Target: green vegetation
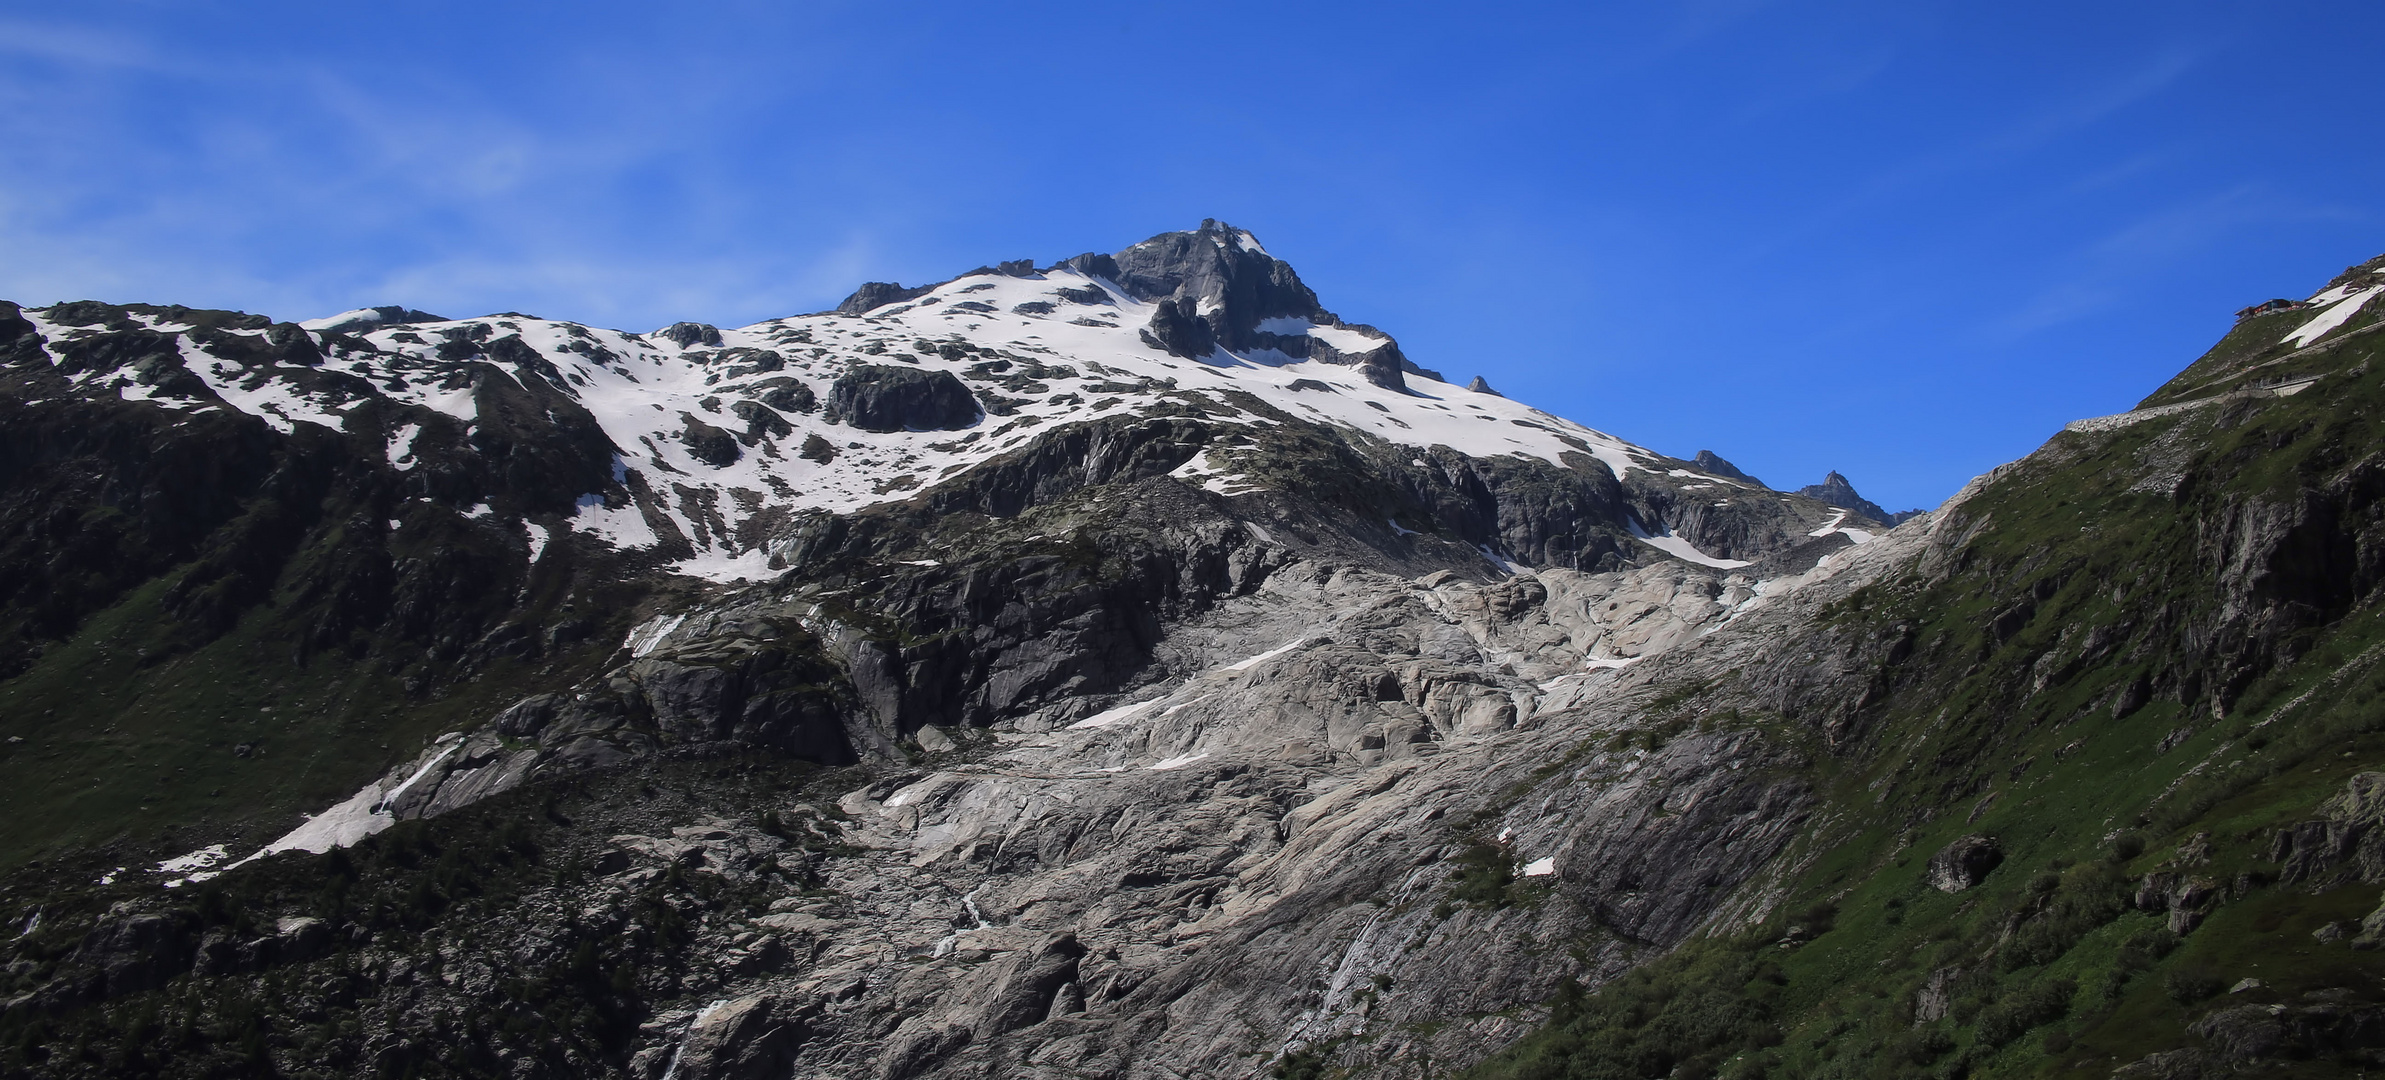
[[2146, 650]]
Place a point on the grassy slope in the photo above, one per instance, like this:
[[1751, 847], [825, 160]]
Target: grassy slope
[[2059, 975]]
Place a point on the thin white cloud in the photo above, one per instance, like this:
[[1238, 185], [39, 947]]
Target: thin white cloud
[[1988, 150]]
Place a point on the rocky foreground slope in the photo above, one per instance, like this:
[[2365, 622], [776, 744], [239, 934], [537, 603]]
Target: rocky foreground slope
[[1213, 724]]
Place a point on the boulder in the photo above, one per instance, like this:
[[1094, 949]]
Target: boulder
[[760, 421], [691, 334], [882, 397], [740, 1039], [1964, 863], [706, 443], [139, 952], [1031, 990], [787, 394]]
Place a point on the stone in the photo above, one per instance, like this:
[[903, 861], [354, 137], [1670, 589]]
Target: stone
[[2167, 1065], [760, 422], [739, 1039], [787, 394], [881, 397], [691, 334], [1179, 332], [1931, 1002], [706, 443], [1964, 863]]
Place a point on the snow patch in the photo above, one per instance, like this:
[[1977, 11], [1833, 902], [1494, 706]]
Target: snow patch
[[1246, 665], [196, 860], [1119, 715], [1679, 548], [1175, 763], [646, 635], [2333, 317], [401, 447], [1541, 867]]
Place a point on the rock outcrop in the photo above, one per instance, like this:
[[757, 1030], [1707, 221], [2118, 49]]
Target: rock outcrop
[[882, 397]]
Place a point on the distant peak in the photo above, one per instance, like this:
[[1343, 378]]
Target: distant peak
[[1712, 464], [1836, 490]]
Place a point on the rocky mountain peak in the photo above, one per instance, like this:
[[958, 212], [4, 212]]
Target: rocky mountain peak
[[1836, 490], [1223, 275], [1709, 461]]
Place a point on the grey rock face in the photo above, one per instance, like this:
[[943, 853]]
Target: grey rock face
[[1178, 332], [882, 397], [1964, 863], [1481, 385], [1213, 269], [2346, 843], [739, 1039]]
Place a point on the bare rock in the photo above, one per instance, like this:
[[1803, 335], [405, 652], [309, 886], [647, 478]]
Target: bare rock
[[1964, 863], [740, 1039], [882, 397]]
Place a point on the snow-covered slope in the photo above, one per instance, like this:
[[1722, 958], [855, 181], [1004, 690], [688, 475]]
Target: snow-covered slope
[[718, 434]]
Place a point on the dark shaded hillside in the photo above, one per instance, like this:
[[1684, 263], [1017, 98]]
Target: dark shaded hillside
[[2143, 663]]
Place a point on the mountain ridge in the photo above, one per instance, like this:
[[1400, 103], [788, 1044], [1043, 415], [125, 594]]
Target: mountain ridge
[[1229, 728]]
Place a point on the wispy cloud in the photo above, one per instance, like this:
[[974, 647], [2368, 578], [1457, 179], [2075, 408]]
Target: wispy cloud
[[1988, 150], [2110, 267]]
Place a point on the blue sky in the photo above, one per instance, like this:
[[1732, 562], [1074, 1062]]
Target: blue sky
[[1906, 240]]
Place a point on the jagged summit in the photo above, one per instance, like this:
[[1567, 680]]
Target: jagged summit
[[1836, 490], [1712, 462], [1210, 288]]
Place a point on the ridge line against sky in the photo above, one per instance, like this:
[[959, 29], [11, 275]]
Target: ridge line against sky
[[1905, 241]]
